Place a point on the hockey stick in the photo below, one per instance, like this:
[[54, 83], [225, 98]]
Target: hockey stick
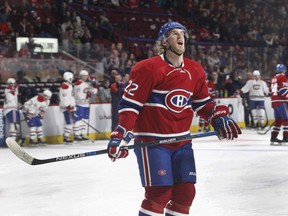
[[19, 152], [265, 132], [89, 125]]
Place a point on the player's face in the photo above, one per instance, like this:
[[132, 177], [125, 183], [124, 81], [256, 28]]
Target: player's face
[[84, 78], [46, 97], [176, 39]]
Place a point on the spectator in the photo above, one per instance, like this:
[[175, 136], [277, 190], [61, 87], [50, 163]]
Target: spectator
[[113, 61], [117, 89], [105, 92], [106, 27], [233, 84]]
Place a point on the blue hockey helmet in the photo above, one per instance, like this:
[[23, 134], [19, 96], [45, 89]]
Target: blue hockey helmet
[[168, 27], [280, 68]]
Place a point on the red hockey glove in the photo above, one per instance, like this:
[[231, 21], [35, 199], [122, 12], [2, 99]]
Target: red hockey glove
[[70, 108], [117, 146], [226, 127], [88, 94]]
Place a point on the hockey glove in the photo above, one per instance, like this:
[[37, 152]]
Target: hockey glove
[[226, 127], [28, 117], [70, 109], [88, 94], [41, 114], [117, 146]]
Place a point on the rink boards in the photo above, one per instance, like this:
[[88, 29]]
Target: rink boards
[[100, 119]]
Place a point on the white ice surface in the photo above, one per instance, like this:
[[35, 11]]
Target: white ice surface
[[245, 177]]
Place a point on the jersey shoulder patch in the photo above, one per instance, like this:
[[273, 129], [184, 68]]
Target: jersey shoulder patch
[[78, 82], [64, 86]]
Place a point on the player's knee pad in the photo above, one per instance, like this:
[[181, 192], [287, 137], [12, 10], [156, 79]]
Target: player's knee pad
[[12, 127], [156, 198], [39, 129], [182, 198], [261, 113], [254, 113]]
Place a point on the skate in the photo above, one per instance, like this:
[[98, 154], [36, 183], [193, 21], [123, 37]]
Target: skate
[[67, 141], [78, 138], [83, 138], [42, 143], [274, 141], [32, 143], [207, 128]]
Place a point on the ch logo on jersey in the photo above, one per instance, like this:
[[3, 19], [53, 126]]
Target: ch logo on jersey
[[162, 172], [177, 100], [256, 86]]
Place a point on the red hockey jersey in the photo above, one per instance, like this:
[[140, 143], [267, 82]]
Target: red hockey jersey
[[160, 99], [279, 90]]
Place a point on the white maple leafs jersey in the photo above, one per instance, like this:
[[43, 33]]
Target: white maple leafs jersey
[[257, 89]]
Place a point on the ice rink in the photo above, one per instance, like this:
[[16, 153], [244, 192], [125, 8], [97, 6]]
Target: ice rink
[[245, 177]]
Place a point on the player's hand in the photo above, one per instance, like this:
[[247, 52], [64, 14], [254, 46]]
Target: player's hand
[[41, 114], [117, 146], [226, 127], [70, 109], [88, 94], [28, 117]]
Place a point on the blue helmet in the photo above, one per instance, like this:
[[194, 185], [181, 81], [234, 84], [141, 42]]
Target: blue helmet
[[168, 27], [280, 68]]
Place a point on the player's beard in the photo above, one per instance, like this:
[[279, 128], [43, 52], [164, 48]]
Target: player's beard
[[177, 49]]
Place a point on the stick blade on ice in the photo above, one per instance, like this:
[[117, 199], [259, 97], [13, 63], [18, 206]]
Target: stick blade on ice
[[18, 151]]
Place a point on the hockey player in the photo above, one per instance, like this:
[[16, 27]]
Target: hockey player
[[83, 90], [11, 108], [34, 112], [279, 100], [67, 104], [257, 89], [159, 103]]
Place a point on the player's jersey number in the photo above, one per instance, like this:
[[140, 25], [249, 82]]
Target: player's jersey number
[[274, 88], [131, 87]]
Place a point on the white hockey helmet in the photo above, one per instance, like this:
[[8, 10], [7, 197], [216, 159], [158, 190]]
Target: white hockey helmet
[[47, 93], [83, 73], [11, 81], [256, 73], [68, 76]]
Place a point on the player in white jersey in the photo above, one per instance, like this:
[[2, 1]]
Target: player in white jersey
[[34, 112], [257, 89], [11, 108], [67, 104], [83, 90]]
